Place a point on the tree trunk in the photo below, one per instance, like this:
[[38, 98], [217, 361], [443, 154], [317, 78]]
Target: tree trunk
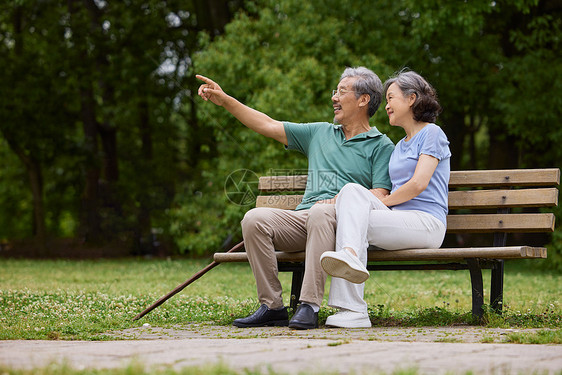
[[504, 153], [102, 170], [32, 165], [143, 232], [90, 221], [35, 176], [108, 136], [455, 129], [212, 15]]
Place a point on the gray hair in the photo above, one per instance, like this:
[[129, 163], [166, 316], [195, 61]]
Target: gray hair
[[426, 108], [367, 83]]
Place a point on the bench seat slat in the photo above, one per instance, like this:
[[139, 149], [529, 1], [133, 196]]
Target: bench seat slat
[[482, 178], [508, 252]]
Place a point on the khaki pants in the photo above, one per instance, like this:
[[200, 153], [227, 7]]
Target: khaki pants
[[268, 229]]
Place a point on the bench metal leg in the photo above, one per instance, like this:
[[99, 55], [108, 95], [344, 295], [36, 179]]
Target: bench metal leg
[[296, 286], [477, 287], [496, 290]]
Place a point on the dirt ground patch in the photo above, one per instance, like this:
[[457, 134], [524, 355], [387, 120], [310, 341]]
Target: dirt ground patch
[[462, 334]]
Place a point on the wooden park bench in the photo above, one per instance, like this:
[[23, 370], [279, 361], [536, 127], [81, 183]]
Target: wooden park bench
[[489, 203]]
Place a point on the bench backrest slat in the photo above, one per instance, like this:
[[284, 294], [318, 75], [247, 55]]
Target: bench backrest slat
[[282, 183], [492, 190], [458, 223], [541, 197], [505, 178], [481, 178], [284, 202], [491, 223]]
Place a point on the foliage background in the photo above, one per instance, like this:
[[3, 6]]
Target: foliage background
[[104, 140]]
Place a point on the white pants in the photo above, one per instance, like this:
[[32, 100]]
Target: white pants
[[363, 220]]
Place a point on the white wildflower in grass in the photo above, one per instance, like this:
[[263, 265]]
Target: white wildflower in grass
[[83, 299]]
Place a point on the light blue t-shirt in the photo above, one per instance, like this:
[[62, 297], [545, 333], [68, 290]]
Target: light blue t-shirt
[[334, 161], [431, 140]]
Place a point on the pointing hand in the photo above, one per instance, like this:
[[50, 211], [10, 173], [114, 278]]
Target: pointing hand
[[210, 90]]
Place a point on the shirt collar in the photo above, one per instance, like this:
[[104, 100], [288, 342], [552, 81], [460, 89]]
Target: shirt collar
[[373, 133]]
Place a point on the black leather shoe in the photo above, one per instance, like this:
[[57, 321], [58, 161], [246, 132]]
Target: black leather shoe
[[304, 318], [263, 317]]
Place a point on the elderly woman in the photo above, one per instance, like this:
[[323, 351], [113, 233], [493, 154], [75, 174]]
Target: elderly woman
[[413, 215]]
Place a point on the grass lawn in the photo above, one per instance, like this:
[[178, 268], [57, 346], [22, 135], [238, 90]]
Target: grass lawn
[[63, 299]]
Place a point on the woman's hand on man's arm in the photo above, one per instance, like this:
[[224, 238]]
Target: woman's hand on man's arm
[[418, 183]]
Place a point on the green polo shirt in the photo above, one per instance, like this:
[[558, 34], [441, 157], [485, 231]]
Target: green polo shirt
[[334, 161]]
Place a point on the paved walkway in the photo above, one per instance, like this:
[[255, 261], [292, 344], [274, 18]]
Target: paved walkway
[[365, 351]]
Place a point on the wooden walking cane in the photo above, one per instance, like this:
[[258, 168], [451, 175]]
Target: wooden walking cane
[[180, 287]]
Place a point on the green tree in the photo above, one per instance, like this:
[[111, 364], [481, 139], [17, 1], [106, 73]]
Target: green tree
[[89, 92], [282, 57], [280, 60], [487, 60], [104, 129], [31, 118], [14, 197]]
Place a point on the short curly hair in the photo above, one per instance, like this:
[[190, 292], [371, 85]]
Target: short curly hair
[[426, 108]]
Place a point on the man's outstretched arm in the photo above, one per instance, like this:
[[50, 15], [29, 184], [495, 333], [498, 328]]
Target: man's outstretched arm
[[255, 120]]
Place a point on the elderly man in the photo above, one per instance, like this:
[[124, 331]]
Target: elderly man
[[350, 150]]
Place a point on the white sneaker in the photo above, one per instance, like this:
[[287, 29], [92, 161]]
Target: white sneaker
[[349, 319], [345, 265]]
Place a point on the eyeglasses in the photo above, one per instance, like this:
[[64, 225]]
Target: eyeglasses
[[340, 92]]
